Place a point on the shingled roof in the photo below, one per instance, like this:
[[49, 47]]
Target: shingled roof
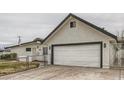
[[34, 41]]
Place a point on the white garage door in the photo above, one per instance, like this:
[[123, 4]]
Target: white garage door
[[77, 55]]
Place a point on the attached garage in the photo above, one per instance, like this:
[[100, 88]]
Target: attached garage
[[76, 42], [83, 54]]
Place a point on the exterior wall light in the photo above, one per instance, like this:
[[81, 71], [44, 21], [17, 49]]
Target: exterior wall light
[[104, 45]]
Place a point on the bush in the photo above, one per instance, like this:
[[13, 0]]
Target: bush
[[9, 67], [11, 56]]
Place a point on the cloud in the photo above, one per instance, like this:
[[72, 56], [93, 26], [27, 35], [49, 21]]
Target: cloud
[[110, 21], [30, 26], [5, 43]]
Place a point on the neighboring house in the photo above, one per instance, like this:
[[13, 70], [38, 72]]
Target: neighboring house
[[32, 49], [5, 51], [76, 42], [1, 52]]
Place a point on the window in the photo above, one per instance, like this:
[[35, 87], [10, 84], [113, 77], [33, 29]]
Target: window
[[122, 46], [72, 24], [28, 49], [45, 51]]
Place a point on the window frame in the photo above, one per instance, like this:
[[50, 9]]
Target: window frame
[[45, 50], [72, 24], [28, 49]]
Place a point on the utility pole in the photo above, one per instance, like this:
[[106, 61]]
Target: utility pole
[[19, 40]]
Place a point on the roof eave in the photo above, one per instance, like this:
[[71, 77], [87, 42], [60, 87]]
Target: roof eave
[[86, 22]]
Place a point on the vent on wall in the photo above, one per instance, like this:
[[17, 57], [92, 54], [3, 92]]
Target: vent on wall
[[72, 24]]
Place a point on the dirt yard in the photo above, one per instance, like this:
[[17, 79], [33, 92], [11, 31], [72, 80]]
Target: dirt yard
[[8, 67]]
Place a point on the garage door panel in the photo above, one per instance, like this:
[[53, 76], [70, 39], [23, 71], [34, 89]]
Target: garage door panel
[[84, 63], [77, 59], [78, 63], [74, 50], [77, 55]]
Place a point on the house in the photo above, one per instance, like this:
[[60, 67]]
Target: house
[[5, 51], [77, 42], [32, 49], [1, 52]]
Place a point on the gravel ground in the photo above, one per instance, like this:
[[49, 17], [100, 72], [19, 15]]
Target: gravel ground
[[66, 73]]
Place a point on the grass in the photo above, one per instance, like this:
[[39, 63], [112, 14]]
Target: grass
[[8, 67]]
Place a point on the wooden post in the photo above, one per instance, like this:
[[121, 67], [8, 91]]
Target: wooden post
[[27, 60]]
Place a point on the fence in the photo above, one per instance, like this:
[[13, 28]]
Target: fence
[[34, 58], [118, 61]]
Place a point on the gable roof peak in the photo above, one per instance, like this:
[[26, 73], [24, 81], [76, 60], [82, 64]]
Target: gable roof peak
[[86, 22]]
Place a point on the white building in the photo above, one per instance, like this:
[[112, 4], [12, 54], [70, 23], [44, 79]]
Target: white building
[[32, 50], [76, 42]]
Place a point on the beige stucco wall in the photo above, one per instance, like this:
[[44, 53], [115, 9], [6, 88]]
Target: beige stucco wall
[[82, 33]]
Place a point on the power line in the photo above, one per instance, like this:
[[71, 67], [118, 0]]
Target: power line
[[19, 40]]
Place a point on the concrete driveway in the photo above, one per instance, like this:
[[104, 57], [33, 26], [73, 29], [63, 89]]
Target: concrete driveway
[[66, 73]]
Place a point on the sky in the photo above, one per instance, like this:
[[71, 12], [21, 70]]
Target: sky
[[32, 25]]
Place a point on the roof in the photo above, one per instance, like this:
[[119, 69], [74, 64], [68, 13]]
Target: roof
[[38, 39], [34, 41], [84, 21]]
